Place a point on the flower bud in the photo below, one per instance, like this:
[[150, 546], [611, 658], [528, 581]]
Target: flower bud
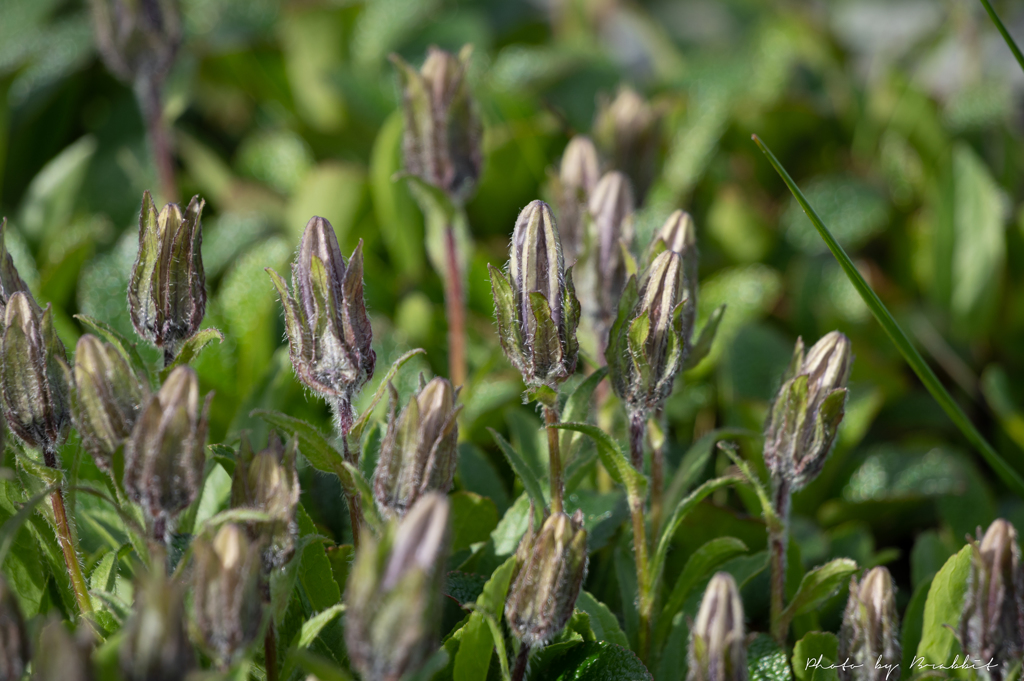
[[611, 210], [137, 38], [679, 235], [107, 399], [167, 289], [536, 304], [34, 383], [267, 481], [155, 646], [10, 281], [443, 133], [547, 583], [718, 651], [14, 651], [992, 623], [420, 449], [627, 128], [648, 341], [61, 656], [394, 592], [164, 456], [329, 333], [804, 419], [577, 177], [227, 594], [870, 636]]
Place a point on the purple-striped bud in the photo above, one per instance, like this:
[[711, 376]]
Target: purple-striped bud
[[577, 176], [610, 238], [870, 635], [718, 651]]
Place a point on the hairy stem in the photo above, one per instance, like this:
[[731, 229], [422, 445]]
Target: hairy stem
[[637, 431], [148, 93], [519, 670], [557, 483], [657, 488], [355, 511], [67, 547], [455, 308], [777, 540], [646, 602]]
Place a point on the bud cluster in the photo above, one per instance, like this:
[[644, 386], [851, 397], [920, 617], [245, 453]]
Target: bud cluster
[[267, 481]]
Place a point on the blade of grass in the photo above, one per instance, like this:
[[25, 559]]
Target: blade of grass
[[899, 338], [1006, 34]]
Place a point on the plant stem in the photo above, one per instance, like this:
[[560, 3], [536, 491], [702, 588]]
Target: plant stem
[[355, 511], [67, 547], [646, 602], [519, 671], [270, 652], [168, 356], [777, 540], [557, 483], [657, 488], [637, 431], [455, 307], [147, 92]]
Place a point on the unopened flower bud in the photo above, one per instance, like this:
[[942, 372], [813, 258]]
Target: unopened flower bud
[[804, 419], [10, 281], [679, 235], [155, 646], [394, 591], [34, 383], [107, 399], [420, 449], [648, 341], [611, 210], [578, 175], [14, 650], [227, 594], [267, 481], [870, 636], [164, 455], [536, 304], [546, 585], [443, 132], [992, 623], [329, 332], [137, 38], [167, 289], [62, 656], [627, 128], [718, 651]]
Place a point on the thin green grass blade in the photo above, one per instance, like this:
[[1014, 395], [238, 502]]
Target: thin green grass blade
[[899, 338], [1010, 42]]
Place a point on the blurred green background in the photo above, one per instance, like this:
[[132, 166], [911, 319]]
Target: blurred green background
[[901, 120]]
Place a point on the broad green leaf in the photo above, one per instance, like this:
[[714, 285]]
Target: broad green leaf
[[473, 519], [474, 655], [767, 661], [314, 625], [478, 474], [399, 222], [602, 620], [577, 409], [942, 609], [191, 349], [321, 667], [530, 482], [817, 586], [9, 530], [51, 196], [812, 656], [512, 526], [700, 564], [599, 661], [613, 459]]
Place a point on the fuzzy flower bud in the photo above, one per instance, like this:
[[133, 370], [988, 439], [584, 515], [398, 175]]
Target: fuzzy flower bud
[[578, 175], [548, 579], [155, 645], [329, 332], [394, 593], [164, 456], [10, 281], [34, 384], [443, 133], [267, 481], [137, 38], [14, 650], [611, 208], [870, 636], [107, 399], [804, 419], [627, 127], [992, 623], [167, 289], [718, 651], [226, 591], [420, 449], [536, 304]]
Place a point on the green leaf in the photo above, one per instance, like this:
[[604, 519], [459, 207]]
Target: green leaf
[[314, 625], [702, 347], [478, 637], [913, 623], [397, 217], [924, 372], [478, 474], [577, 409], [599, 661], [700, 564], [812, 656], [695, 461], [817, 586], [530, 482], [942, 609], [1010, 42], [191, 348], [473, 519], [602, 620], [321, 667], [9, 530], [766, 660], [613, 459], [356, 433]]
